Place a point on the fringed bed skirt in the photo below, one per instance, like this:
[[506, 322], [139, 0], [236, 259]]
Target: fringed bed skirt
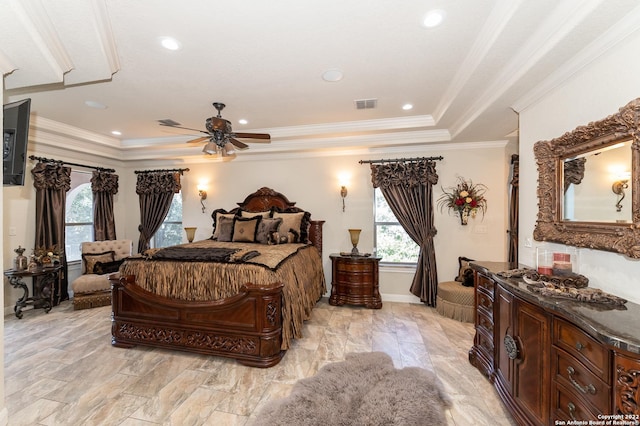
[[300, 271]]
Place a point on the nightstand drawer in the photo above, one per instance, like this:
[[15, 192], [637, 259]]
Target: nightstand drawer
[[365, 268]]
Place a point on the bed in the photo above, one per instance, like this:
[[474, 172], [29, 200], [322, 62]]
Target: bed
[[241, 299]]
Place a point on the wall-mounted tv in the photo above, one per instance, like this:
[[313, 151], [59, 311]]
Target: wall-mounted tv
[[14, 141]]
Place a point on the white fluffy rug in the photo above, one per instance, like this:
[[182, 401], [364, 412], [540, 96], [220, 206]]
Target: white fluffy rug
[[365, 389]]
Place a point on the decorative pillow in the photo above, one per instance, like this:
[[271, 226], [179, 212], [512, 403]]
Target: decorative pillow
[[266, 228], [90, 260], [224, 228], [244, 229], [244, 213], [463, 263], [291, 222], [216, 215], [102, 268]]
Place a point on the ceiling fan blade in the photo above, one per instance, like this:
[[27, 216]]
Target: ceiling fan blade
[[238, 144], [168, 123], [204, 138], [253, 135]]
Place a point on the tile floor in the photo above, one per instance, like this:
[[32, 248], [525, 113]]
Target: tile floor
[[60, 368]]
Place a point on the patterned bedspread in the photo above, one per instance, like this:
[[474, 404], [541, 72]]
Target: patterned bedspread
[[297, 266]]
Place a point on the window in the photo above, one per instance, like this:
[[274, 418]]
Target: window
[[78, 214], [170, 232], [391, 241]]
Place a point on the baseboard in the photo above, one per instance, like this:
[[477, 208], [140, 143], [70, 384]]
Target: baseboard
[[399, 298]]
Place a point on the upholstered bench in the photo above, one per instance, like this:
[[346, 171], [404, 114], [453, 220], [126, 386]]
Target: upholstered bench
[[455, 300], [99, 259]]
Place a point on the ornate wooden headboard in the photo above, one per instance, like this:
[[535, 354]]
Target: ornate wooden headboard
[[266, 198]]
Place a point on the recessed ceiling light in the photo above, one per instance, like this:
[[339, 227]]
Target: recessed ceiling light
[[116, 133], [95, 104], [407, 107], [242, 121], [170, 43], [332, 75], [433, 18]]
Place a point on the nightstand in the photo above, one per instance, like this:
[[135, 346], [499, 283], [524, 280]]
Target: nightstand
[[354, 281]]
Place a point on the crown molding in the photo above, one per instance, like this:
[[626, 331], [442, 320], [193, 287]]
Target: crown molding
[[603, 44], [106, 35], [494, 25], [568, 15]]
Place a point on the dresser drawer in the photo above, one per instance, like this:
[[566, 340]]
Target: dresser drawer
[[485, 303], [577, 377], [342, 277], [567, 406], [485, 284], [484, 342], [484, 321], [582, 347]]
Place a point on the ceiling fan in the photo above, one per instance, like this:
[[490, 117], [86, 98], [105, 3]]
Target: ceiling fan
[[222, 139]]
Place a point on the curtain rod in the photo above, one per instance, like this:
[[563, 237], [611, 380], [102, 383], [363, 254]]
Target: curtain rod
[[161, 170], [49, 160], [402, 159]]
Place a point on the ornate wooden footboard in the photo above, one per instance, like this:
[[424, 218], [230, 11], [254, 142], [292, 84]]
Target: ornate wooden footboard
[[246, 327]]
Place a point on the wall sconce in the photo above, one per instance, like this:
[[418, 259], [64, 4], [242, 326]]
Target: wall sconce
[[203, 196], [618, 188], [343, 194]]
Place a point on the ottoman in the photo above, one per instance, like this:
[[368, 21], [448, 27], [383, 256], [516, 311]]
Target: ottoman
[[455, 301]]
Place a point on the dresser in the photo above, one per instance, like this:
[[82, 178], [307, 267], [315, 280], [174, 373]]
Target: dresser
[[354, 281], [555, 360]]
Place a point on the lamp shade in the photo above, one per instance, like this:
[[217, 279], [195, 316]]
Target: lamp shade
[[191, 233]]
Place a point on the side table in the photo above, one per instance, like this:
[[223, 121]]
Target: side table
[[43, 282], [354, 281]]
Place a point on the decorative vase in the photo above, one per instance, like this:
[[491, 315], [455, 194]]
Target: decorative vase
[[464, 216], [191, 232], [355, 237], [21, 261]]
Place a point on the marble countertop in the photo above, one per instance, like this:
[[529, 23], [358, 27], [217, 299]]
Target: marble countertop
[[616, 326]]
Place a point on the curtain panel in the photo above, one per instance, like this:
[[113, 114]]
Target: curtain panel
[[104, 186], [408, 189], [155, 191], [52, 181], [513, 210]]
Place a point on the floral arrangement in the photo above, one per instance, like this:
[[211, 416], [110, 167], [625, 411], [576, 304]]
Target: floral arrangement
[[45, 255], [466, 199]]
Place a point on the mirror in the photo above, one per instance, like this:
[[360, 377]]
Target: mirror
[[588, 193], [596, 185]]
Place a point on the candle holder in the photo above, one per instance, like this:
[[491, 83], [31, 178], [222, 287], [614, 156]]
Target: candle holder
[[355, 237]]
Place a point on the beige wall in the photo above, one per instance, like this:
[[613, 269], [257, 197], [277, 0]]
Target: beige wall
[[595, 93], [313, 183]]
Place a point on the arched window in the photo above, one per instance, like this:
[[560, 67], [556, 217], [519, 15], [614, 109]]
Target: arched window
[[78, 214]]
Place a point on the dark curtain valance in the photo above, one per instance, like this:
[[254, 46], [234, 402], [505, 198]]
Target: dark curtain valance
[[149, 183], [104, 182], [51, 176], [405, 174]]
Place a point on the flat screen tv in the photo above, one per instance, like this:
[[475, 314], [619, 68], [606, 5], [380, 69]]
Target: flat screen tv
[[14, 141]]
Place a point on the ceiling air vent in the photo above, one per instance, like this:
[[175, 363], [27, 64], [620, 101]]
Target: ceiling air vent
[[366, 103]]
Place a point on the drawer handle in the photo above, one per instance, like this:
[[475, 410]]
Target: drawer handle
[[579, 346], [584, 389], [572, 410]]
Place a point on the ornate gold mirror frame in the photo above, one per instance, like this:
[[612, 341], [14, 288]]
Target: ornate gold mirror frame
[[550, 155]]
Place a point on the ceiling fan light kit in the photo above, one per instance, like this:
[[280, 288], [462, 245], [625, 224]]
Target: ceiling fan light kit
[[222, 140]]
